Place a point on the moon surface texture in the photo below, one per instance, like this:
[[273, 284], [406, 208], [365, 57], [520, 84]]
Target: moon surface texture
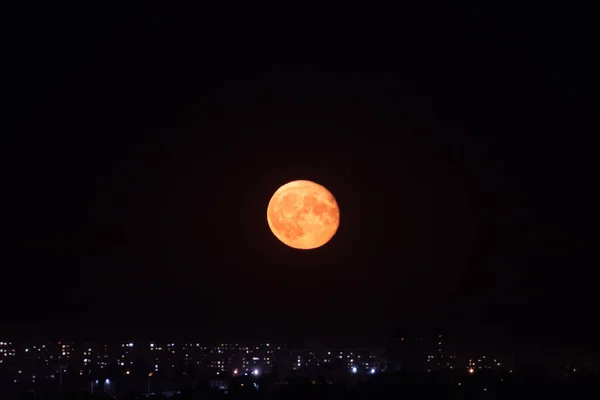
[[303, 215]]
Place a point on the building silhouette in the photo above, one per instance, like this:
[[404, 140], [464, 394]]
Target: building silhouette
[[406, 351]]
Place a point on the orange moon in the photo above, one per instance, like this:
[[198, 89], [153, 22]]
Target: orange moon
[[303, 215]]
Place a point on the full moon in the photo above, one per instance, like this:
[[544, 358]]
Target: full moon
[[303, 215]]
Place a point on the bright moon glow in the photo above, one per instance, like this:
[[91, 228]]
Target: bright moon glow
[[303, 215]]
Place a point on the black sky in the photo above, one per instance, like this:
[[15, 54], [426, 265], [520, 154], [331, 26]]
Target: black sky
[[141, 146]]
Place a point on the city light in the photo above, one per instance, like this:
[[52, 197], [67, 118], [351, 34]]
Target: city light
[[225, 361]]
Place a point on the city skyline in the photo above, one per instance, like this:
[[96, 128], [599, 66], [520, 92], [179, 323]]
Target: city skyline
[[124, 368], [91, 357], [431, 344]]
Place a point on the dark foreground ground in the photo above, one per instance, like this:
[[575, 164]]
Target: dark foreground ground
[[382, 387]]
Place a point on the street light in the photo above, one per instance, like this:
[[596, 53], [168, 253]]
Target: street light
[[149, 376]]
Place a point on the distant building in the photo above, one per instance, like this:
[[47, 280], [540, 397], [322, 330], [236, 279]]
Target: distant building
[[154, 366], [406, 352]]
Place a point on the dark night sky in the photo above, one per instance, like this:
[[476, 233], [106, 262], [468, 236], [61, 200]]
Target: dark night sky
[[141, 147]]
